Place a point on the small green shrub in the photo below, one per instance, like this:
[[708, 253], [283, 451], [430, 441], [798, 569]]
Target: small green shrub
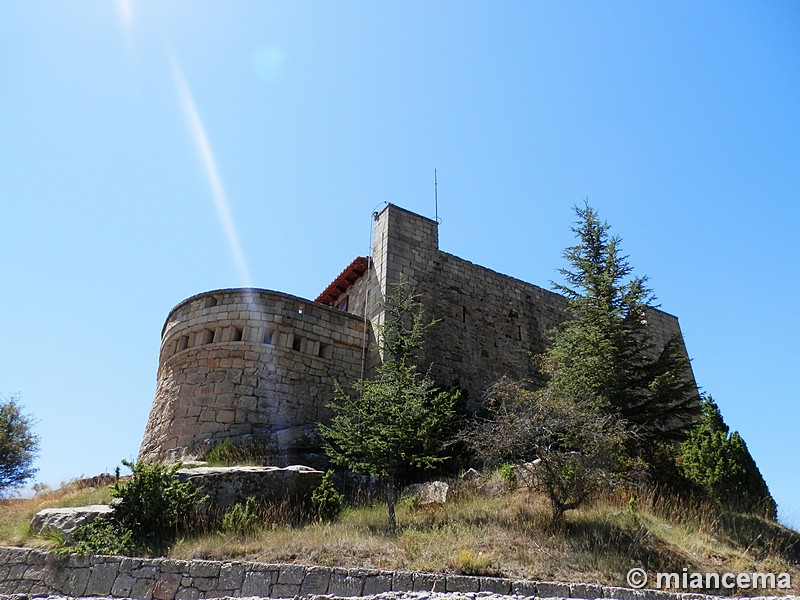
[[152, 507], [242, 519], [326, 502], [411, 502], [468, 562], [508, 476], [101, 536]]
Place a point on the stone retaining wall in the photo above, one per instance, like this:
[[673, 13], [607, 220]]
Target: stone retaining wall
[[34, 572]]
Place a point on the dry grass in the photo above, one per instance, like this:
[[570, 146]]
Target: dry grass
[[491, 532], [510, 534], [16, 513]]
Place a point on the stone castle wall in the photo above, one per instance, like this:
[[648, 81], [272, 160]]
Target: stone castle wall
[[251, 364], [488, 324], [246, 362]]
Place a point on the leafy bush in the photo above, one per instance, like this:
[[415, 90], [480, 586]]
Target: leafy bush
[[151, 509], [101, 536], [153, 505], [242, 519], [325, 500], [507, 475]]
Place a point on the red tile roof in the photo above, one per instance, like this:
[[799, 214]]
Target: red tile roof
[[345, 279]]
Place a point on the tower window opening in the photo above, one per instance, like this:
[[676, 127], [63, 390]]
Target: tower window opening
[[207, 336], [183, 343], [297, 343], [268, 338], [211, 301], [236, 334]]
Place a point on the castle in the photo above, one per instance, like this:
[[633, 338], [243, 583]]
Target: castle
[[259, 365]]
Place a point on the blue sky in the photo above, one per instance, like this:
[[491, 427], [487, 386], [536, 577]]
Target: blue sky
[[152, 150]]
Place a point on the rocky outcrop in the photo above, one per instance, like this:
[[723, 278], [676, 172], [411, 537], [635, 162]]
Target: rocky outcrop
[[64, 521], [225, 486], [429, 494]]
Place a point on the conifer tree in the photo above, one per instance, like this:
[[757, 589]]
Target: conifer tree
[[603, 353], [719, 463], [398, 420]]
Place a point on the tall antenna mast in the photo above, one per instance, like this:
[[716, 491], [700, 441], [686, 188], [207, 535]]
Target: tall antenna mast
[[436, 194]]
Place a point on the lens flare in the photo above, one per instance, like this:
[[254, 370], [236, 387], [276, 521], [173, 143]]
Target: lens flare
[[203, 147], [125, 15]]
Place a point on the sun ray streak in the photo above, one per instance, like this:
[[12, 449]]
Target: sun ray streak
[[203, 146]]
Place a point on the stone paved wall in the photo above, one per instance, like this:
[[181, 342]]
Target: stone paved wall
[[249, 363], [33, 572]]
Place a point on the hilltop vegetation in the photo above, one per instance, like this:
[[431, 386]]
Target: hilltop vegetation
[[610, 460], [489, 528]]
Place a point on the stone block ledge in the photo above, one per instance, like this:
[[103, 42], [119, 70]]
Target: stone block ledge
[[26, 572]]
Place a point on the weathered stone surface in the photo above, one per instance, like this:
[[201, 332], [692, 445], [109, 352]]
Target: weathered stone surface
[[433, 492], [462, 583], [64, 521], [225, 486], [429, 582]]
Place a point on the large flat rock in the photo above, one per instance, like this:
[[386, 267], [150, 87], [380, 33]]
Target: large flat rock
[[225, 486], [64, 521]]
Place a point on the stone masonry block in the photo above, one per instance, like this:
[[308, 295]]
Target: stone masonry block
[[291, 574], [429, 582], [187, 593], [316, 581], [204, 568], [586, 591], [549, 589], [143, 589], [619, 593], [285, 590], [496, 585], [123, 585], [167, 586], [524, 587], [101, 579], [462, 583], [402, 581], [345, 585], [257, 583], [377, 583], [231, 576]]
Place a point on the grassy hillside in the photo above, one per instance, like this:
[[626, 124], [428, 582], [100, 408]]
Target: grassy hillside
[[487, 530]]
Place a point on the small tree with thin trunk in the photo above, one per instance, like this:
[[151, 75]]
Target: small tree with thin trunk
[[18, 446], [570, 448], [398, 420]]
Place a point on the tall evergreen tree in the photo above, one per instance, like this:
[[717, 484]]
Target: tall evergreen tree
[[603, 352], [398, 420]]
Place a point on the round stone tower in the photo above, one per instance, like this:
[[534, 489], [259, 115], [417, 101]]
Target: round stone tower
[[250, 364]]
